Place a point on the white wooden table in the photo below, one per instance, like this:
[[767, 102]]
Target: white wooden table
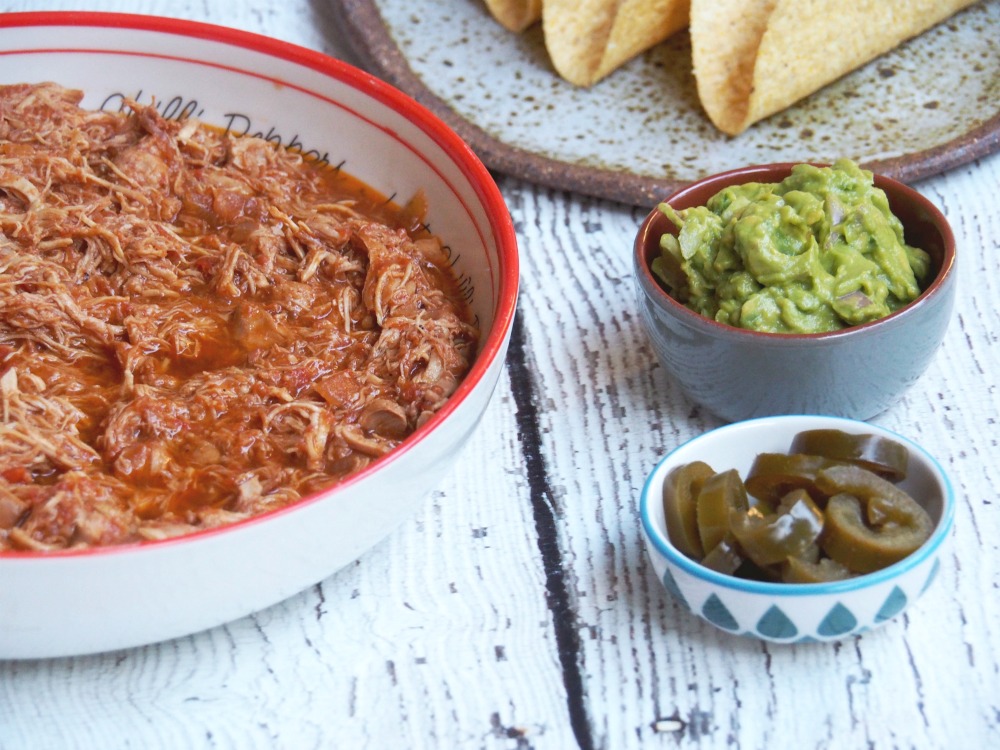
[[517, 609]]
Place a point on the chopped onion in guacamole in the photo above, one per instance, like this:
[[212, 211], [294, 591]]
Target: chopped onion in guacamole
[[818, 251]]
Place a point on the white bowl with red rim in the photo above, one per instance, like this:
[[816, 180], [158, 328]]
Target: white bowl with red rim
[[93, 600]]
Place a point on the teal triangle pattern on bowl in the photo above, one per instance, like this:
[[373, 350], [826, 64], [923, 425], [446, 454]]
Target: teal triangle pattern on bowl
[[893, 605], [838, 621], [776, 624], [674, 590], [716, 613], [933, 574]]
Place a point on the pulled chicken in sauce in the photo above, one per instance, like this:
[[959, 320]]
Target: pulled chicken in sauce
[[196, 328]]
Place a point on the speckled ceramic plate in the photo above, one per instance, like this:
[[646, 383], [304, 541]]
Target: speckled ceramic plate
[[928, 106]]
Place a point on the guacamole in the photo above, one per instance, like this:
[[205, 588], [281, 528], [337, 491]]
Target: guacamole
[[818, 251]]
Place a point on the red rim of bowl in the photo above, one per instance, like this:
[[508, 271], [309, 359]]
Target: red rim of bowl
[[471, 167], [644, 246]]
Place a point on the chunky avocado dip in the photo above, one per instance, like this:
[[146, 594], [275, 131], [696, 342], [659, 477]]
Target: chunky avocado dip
[[818, 251]]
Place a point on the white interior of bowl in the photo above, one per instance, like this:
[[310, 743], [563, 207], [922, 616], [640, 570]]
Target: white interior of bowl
[[120, 597], [735, 446]]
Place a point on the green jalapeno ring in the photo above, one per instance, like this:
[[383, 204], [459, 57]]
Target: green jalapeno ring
[[870, 522], [824, 570], [878, 454], [680, 492], [725, 557], [773, 538], [774, 475], [720, 494]]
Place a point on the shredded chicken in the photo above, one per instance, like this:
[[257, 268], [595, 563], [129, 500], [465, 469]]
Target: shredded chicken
[[196, 328]]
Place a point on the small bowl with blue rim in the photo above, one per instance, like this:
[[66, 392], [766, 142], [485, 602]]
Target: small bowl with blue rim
[[776, 611]]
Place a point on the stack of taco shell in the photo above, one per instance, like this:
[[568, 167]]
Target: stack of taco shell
[[516, 15], [751, 58], [589, 39]]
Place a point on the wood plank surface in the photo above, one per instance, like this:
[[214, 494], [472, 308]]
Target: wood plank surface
[[517, 608]]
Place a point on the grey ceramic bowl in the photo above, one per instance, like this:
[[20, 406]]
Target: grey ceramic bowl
[[794, 612], [856, 372]]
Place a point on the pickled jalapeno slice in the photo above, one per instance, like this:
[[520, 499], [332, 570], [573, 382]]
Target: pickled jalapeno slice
[[885, 457], [680, 511], [719, 495], [870, 522], [774, 475], [725, 557], [773, 538], [797, 570], [828, 510]]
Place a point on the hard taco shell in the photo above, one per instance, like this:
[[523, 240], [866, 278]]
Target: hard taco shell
[[753, 58], [588, 39], [515, 15]]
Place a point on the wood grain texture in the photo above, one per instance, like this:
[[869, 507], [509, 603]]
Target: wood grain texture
[[614, 412], [448, 634]]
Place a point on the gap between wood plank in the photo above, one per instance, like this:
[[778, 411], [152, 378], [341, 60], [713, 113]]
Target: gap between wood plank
[[543, 509]]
